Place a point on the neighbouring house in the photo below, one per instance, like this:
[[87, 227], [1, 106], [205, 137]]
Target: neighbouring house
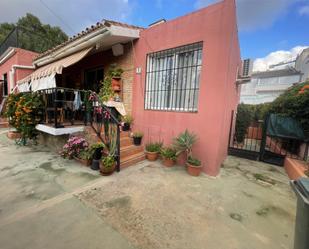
[[180, 74], [15, 64], [266, 86]]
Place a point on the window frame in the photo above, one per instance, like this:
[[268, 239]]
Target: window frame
[[175, 94]]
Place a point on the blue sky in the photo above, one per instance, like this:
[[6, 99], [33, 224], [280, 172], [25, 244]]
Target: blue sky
[[265, 26]]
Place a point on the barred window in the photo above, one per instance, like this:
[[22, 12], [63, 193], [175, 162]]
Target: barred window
[[173, 78]]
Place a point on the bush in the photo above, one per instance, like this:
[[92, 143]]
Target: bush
[[243, 120], [294, 103], [154, 147], [169, 153], [194, 161], [138, 134], [108, 162], [73, 147], [24, 111], [184, 142]]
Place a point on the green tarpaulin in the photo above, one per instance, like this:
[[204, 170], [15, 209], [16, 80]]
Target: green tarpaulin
[[284, 127]]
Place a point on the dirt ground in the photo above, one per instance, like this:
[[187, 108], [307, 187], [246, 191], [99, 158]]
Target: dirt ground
[[49, 202]]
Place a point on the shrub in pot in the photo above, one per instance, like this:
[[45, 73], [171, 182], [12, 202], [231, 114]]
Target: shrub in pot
[[194, 167], [85, 157], [169, 156], [127, 121], [152, 150], [137, 137], [184, 143], [73, 147], [96, 150], [107, 165]]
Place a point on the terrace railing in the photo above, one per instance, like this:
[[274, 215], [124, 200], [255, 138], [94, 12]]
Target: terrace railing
[[66, 107], [107, 126], [63, 107]]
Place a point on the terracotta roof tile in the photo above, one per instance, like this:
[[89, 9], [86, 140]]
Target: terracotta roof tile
[[87, 31]]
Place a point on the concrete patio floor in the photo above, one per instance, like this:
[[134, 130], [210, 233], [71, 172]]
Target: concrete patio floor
[[49, 202]]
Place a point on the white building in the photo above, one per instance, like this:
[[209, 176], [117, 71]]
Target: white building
[[268, 85]]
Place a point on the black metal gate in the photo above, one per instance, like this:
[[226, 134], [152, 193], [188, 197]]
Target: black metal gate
[[252, 141]]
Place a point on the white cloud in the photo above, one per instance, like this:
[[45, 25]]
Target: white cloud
[[262, 64], [304, 10], [255, 14], [77, 14]]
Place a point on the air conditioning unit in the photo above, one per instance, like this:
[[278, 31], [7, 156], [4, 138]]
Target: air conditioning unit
[[245, 72], [247, 66], [117, 49]]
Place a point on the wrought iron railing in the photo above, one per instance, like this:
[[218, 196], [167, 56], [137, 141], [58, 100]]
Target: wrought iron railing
[[63, 107], [66, 107], [106, 124]]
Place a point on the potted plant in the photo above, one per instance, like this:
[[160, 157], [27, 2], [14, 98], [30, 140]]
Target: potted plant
[[137, 137], [184, 143], [115, 74], [194, 167], [84, 157], [152, 150], [73, 147], [127, 121], [96, 151], [108, 162], [169, 156], [107, 165]]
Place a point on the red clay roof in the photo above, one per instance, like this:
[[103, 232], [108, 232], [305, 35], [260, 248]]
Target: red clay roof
[[87, 31]]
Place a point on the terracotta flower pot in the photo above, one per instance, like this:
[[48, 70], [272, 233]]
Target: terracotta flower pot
[[116, 84], [84, 162], [193, 170], [168, 162], [107, 171], [151, 156], [14, 135]]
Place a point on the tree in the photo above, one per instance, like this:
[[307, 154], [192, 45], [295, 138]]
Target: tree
[[295, 104], [32, 34]]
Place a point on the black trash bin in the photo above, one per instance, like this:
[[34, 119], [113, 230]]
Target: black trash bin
[[301, 188]]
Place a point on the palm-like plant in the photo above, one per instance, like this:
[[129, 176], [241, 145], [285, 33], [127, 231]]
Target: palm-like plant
[[184, 142]]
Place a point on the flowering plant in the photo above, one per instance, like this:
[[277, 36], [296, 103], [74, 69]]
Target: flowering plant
[[73, 147], [24, 111]]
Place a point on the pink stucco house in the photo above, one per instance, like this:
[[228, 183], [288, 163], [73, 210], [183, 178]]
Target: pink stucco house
[[15, 64], [180, 74]]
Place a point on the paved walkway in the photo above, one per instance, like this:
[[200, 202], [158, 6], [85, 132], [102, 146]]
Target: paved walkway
[[48, 202]]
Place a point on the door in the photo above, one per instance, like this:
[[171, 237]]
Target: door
[[93, 77]]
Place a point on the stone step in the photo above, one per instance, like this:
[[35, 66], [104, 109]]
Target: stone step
[[130, 150], [125, 141], [4, 125], [133, 159]]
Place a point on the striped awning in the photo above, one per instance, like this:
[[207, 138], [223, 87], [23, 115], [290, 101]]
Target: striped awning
[[55, 67]]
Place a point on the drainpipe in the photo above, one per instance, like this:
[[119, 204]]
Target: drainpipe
[[12, 74]]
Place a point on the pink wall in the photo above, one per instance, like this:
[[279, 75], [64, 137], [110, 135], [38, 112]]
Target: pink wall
[[20, 57], [218, 96]]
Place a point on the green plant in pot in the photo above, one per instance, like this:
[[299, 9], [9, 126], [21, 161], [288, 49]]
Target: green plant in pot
[[85, 157], [115, 73], [137, 137], [96, 151], [183, 144], [152, 150], [169, 156], [127, 121], [108, 162]]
